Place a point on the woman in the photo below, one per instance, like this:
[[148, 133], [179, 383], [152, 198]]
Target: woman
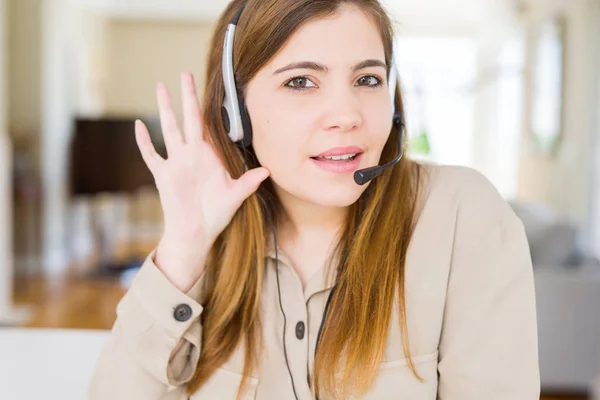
[[416, 284]]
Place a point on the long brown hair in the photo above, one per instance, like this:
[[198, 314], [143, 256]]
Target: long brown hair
[[376, 234]]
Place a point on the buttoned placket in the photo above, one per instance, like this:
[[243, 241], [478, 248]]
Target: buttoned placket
[[301, 306]]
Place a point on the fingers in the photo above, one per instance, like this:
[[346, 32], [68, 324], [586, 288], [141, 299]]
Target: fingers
[[249, 183], [149, 154], [191, 109], [168, 121]]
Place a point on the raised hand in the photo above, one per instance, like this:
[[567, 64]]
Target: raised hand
[[197, 194]]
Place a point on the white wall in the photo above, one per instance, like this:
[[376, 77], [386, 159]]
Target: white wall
[[56, 92], [155, 9], [498, 100], [595, 178], [67, 58], [139, 53], [71, 43], [563, 182]]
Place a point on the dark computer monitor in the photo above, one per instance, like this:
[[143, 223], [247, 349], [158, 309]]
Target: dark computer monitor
[[104, 156]]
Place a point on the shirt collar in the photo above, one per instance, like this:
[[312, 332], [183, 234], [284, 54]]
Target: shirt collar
[[322, 280]]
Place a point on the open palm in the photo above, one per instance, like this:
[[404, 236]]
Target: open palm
[[197, 194]]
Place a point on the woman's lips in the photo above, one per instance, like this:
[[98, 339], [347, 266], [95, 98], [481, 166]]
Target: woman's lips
[[340, 151], [340, 166]]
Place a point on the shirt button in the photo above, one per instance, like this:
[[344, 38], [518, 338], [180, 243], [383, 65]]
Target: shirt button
[[183, 312], [300, 328]]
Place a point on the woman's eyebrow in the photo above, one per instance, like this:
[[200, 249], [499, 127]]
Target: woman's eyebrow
[[369, 63], [322, 68], [302, 65]]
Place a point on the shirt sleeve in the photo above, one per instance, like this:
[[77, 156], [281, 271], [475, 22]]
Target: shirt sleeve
[[154, 345], [488, 346]]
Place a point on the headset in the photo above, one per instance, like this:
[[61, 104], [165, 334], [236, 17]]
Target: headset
[[237, 123]]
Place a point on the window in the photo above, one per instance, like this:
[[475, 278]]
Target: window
[[437, 76]]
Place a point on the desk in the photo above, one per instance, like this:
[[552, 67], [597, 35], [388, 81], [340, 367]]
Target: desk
[[44, 364]]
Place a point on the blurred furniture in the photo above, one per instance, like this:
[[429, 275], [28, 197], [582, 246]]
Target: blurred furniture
[[106, 167], [553, 239], [567, 283], [27, 200], [568, 327], [9, 314], [48, 363]]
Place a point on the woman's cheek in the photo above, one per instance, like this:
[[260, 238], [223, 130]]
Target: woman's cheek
[[275, 154]]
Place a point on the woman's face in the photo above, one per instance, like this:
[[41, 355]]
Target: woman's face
[[324, 92]]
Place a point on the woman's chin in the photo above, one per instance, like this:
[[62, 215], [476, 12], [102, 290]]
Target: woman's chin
[[337, 193], [338, 197]]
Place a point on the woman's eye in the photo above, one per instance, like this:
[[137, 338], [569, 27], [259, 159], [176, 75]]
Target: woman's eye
[[369, 80], [300, 83]]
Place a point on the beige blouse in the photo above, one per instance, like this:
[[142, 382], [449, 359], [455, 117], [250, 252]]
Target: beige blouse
[[470, 311]]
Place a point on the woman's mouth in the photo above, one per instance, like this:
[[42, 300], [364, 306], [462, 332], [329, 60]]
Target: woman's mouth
[[342, 158], [345, 163]]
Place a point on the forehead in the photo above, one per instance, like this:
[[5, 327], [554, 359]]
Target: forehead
[[344, 38]]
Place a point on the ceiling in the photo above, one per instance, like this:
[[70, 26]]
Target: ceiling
[[467, 14], [449, 12]]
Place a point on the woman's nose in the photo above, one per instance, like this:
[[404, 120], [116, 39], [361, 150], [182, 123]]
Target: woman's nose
[[342, 112]]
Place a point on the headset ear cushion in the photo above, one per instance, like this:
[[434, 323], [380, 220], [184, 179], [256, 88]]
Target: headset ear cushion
[[246, 123], [226, 122]]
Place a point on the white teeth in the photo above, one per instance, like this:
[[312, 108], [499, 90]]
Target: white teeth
[[343, 157]]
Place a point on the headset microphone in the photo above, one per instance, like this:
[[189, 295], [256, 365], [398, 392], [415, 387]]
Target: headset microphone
[[363, 176]]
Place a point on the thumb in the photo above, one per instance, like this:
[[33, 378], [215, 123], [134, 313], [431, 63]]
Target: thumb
[[247, 184]]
